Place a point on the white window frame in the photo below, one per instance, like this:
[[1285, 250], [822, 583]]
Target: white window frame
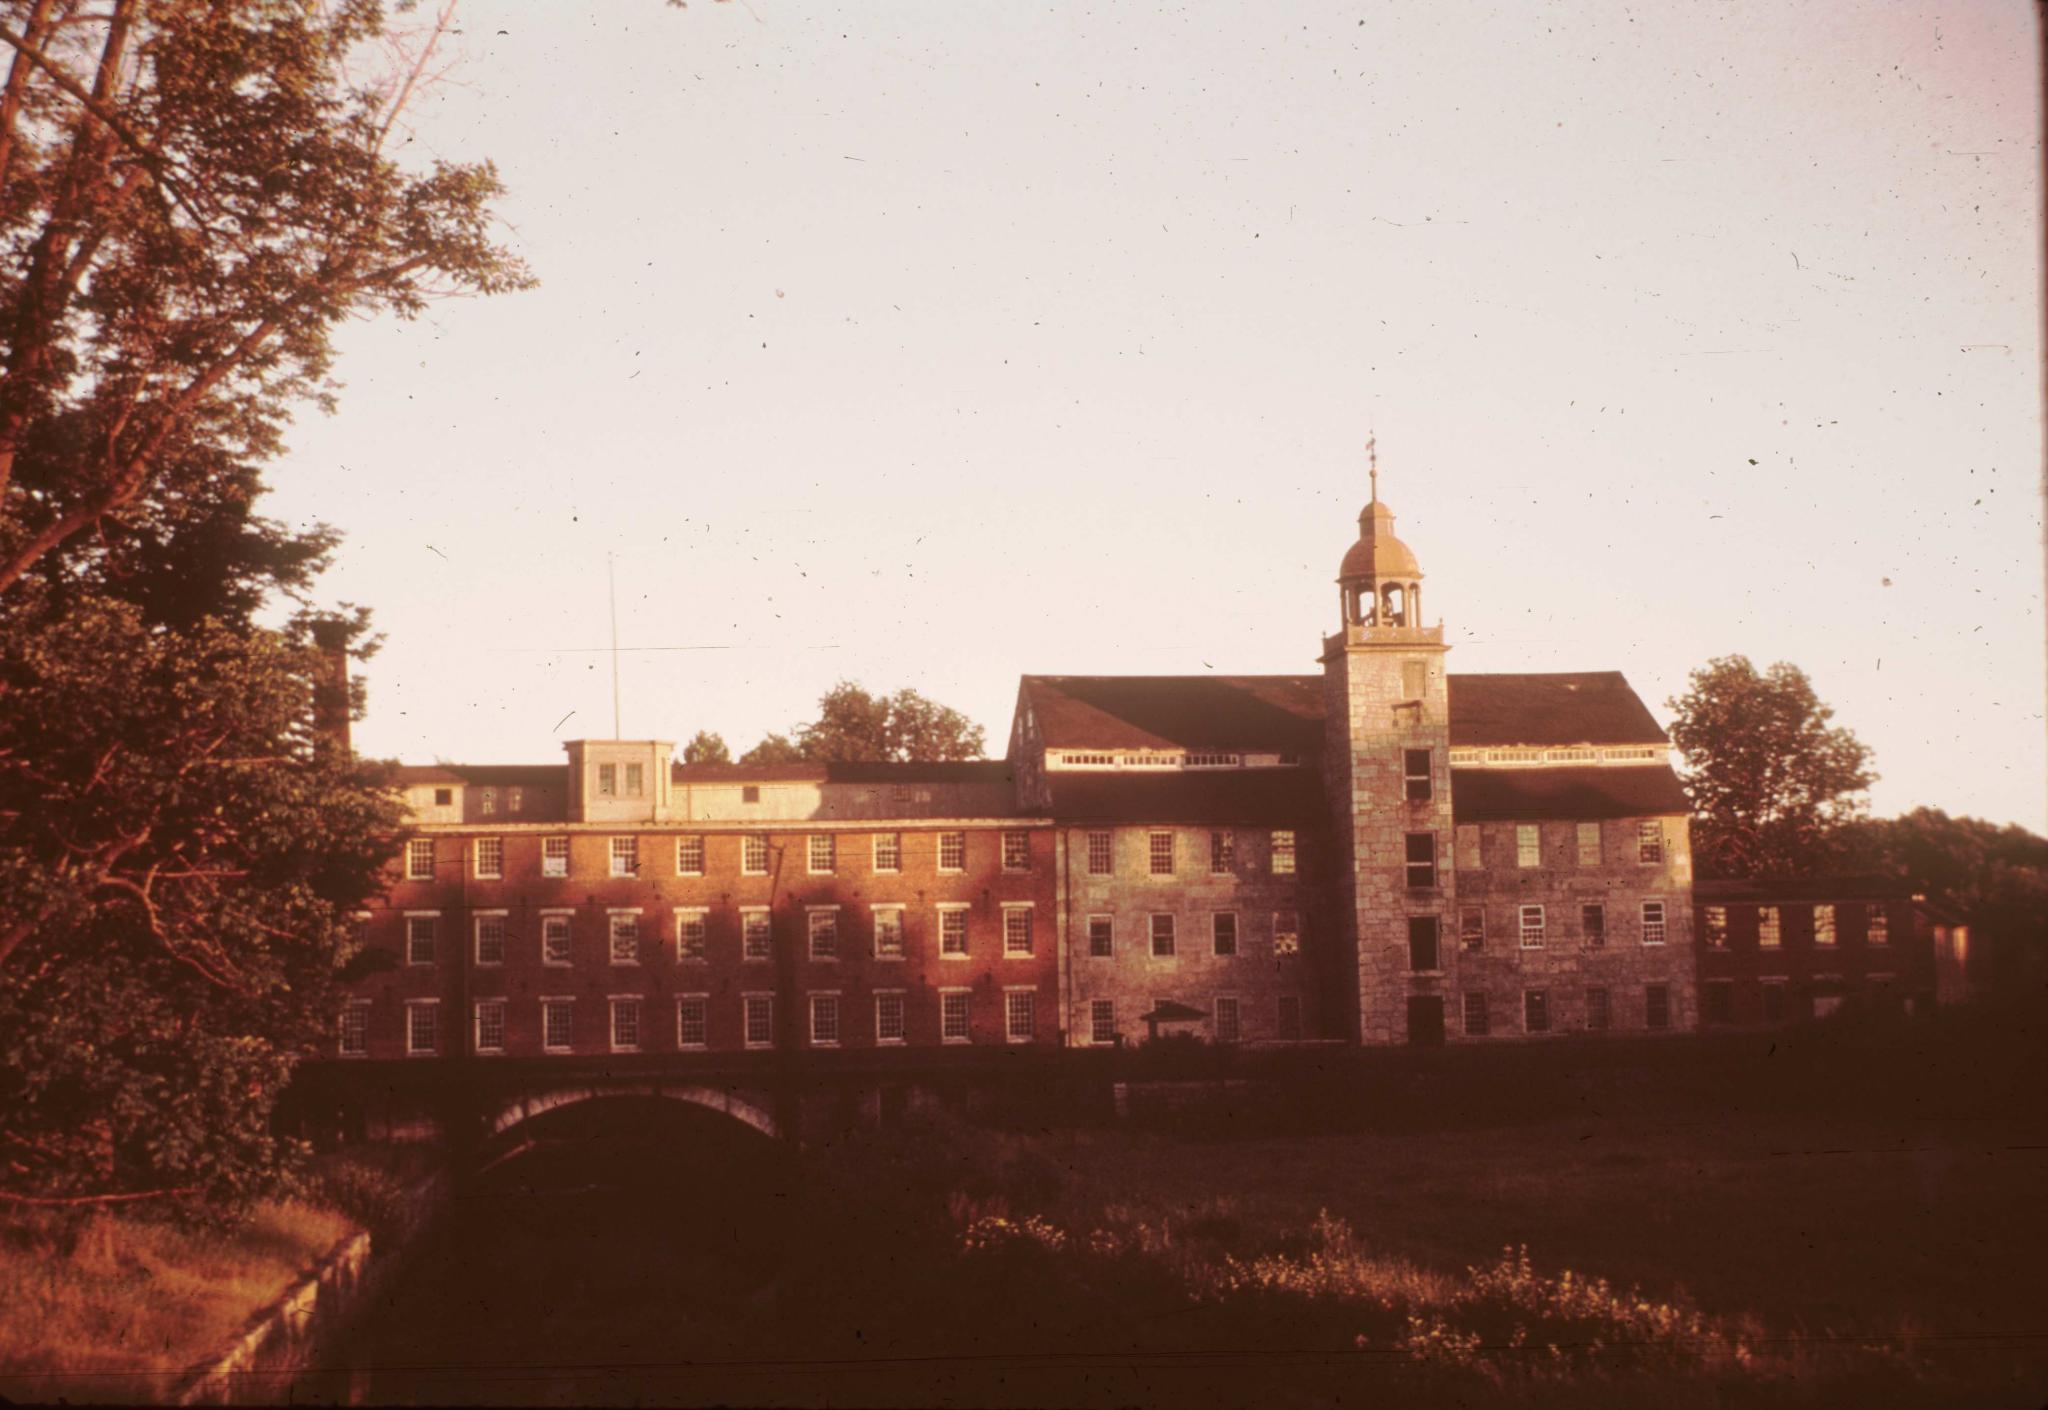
[[1216, 919], [883, 910], [635, 785], [748, 1002], [1011, 909], [894, 862], [1222, 851], [1650, 842], [1016, 850], [702, 916], [1236, 1023], [813, 843], [1153, 838], [568, 920], [703, 1002], [683, 868], [1714, 927], [1088, 933], [487, 802], [951, 839], [767, 918], [1825, 910], [1468, 934], [811, 915], [416, 849], [1655, 930], [1096, 1009], [751, 844], [613, 1008], [1286, 938], [412, 1007], [1532, 936], [902, 1018], [958, 908], [1589, 844], [624, 853], [1107, 856], [1770, 928], [1528, 846], [1152, 937], [354, 1009], [476, 928], [819, 1001], [1282, 853], [607, 780], [477, 1026], [966, 999], [476, 858], [568, 1004], [612, 916], [1590, 938], [1012, 993], [433, 940], [552, 864]]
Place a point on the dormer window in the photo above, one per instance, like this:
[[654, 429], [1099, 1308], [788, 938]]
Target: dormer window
[[444, 797], [607, 780], [635, 780]]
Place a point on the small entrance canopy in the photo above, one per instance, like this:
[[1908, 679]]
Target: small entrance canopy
[[1171, 1011]]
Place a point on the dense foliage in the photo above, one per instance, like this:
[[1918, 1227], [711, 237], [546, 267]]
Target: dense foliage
[[1771, 782], [854, 726], [1994, 877]]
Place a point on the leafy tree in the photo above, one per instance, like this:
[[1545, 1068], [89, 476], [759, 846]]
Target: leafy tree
[[854, 726], [193, 193], [1995, 877], [706, 748], [775, 749], [1771, 782]]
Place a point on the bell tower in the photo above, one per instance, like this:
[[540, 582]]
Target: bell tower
[[1386, 760]]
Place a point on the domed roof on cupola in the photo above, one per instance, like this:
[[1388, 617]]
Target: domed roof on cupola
[[1378, 554]]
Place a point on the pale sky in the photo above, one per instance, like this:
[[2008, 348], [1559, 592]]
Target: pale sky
[[929, 344]]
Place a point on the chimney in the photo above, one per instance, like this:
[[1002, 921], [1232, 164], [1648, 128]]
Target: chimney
[[331, 703]]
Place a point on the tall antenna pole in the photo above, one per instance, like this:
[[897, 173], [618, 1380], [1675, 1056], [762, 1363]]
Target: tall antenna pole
[[1372, 455], [611, 578]]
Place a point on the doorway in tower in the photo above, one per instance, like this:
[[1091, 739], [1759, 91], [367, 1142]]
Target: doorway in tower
[[1425, 1020]]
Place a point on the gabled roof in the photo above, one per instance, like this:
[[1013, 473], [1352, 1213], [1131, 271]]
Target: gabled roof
[[1250, 797], [1553, 708], [1529, 795], [1263, 714]]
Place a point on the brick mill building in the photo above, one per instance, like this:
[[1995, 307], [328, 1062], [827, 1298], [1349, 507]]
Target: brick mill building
[[1382, 852]]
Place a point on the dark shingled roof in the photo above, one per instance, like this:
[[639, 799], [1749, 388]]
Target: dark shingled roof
[[486, 775], [966, 771], [1526, 795], [1562, 707], [1259, 797], [1284, 714], [1804, 888], [1280, 714]]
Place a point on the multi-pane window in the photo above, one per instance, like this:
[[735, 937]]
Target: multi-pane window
[[635, 780], [1467, 838], [754, 855], [1649, 840], [1223, 930], [1472, 928], [953, 931], [490, 940], [625, 937], [423, 1026], [888, 932], [888, 851], [690, 932], [1016, 930], [755, 934], [422, 936], [1159, 853], [625, 1025], [1100, 858], [823, 853], [1716, 925], [1288, 1011], [1283, 853], [1878, 925], [355, 1028], [824, 1019], [1102, 1021], [1657, 1006], [953, 1015], [1422, 944], [1475, 1014], [1532, 927], [1222, 853], [1599, 1018], [689, 856], [490, 858], [1717, 1002], [952, 851], [554, 856], [515, 799], [490, 1025], [1593, 924], [557, 1025], [607, 780], [757, 1016], [1824, 925], [1768, 934], [1421, 854], [1535, 1011], [824, 932], [1286, 933], [889, 1017], [419, 859], [625, 856], [1016, 851], [1020, 1015], [1162, 937], [1589, 844], [1653, 922], [1228, 1028], [1415, 775], [692, 1020], [554, 940], [1101, 937], [1528, 845], [487, 801]]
